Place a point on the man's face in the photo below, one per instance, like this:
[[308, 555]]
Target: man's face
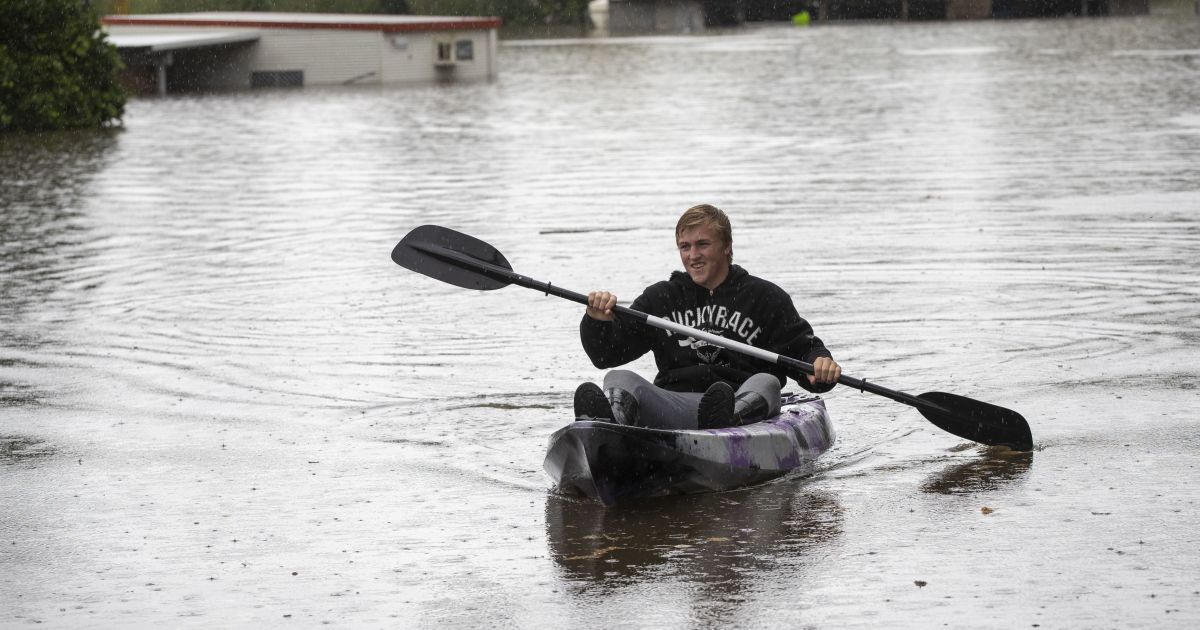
[[704, 255]]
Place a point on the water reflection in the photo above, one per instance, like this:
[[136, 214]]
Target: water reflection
[[44, 181], [14, 449], [994, 468], [720, 543]]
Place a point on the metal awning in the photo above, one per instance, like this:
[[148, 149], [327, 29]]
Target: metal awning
[[162, 42], [157, 49]]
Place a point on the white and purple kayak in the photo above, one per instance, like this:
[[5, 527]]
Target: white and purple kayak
[[614, 463]]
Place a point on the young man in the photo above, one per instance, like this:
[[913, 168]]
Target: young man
[[696, 381]]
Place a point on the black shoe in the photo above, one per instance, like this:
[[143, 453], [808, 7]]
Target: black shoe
[[716, 407], [591, 403], [749, 407], [624, 406]]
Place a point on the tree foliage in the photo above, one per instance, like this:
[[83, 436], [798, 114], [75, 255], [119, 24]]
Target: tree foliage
[[57, 70]]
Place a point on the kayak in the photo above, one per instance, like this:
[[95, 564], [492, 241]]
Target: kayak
[[614, 463]]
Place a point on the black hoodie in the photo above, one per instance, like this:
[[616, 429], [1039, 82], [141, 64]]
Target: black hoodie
[[743, 308]]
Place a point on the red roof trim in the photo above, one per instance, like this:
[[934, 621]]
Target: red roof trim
[[455, 25]]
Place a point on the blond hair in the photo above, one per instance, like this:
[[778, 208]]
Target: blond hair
[[710, 217]]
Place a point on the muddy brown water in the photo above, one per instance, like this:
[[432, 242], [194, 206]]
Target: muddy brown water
[[222, 405]]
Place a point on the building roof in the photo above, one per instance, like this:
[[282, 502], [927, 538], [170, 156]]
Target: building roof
[[336, 21], [158, 42]]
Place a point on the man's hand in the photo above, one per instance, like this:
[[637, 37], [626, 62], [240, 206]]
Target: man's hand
[[825, 370], [601, 305]]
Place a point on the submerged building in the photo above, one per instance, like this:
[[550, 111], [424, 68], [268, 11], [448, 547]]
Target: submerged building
[[176, 52]]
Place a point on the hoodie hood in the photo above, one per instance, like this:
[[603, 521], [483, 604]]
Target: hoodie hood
[[736, 276]]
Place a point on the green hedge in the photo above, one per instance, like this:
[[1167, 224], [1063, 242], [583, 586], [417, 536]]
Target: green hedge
[[57, 71]]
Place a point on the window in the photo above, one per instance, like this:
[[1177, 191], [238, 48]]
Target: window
[[464, 50], [451, 51], [277, 78]]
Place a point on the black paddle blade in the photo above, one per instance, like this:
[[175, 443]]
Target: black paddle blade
[[978, 421], [438, 253]]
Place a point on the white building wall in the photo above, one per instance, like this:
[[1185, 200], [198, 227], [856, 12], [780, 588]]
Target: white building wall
[[327, 57], [493, 36], [407, 57], [330, 57], [478, 67], [412, 56]]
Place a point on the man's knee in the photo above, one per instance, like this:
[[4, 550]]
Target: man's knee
[[758, 398], [763, 383], [624, 379]]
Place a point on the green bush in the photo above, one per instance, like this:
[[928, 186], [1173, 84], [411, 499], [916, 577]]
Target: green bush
[[57, 71]]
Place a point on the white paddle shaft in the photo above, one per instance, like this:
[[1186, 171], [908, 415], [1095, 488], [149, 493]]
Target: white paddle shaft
[[715, 340]]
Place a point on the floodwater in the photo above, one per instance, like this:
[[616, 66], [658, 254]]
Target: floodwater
[[222, 404]]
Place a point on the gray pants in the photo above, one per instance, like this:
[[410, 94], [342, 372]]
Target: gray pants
[[664, 409]]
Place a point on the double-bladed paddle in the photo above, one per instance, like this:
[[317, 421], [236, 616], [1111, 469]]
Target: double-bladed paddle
[[468, 262]]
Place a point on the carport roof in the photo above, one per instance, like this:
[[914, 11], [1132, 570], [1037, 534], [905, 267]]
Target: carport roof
[[164, 41]]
